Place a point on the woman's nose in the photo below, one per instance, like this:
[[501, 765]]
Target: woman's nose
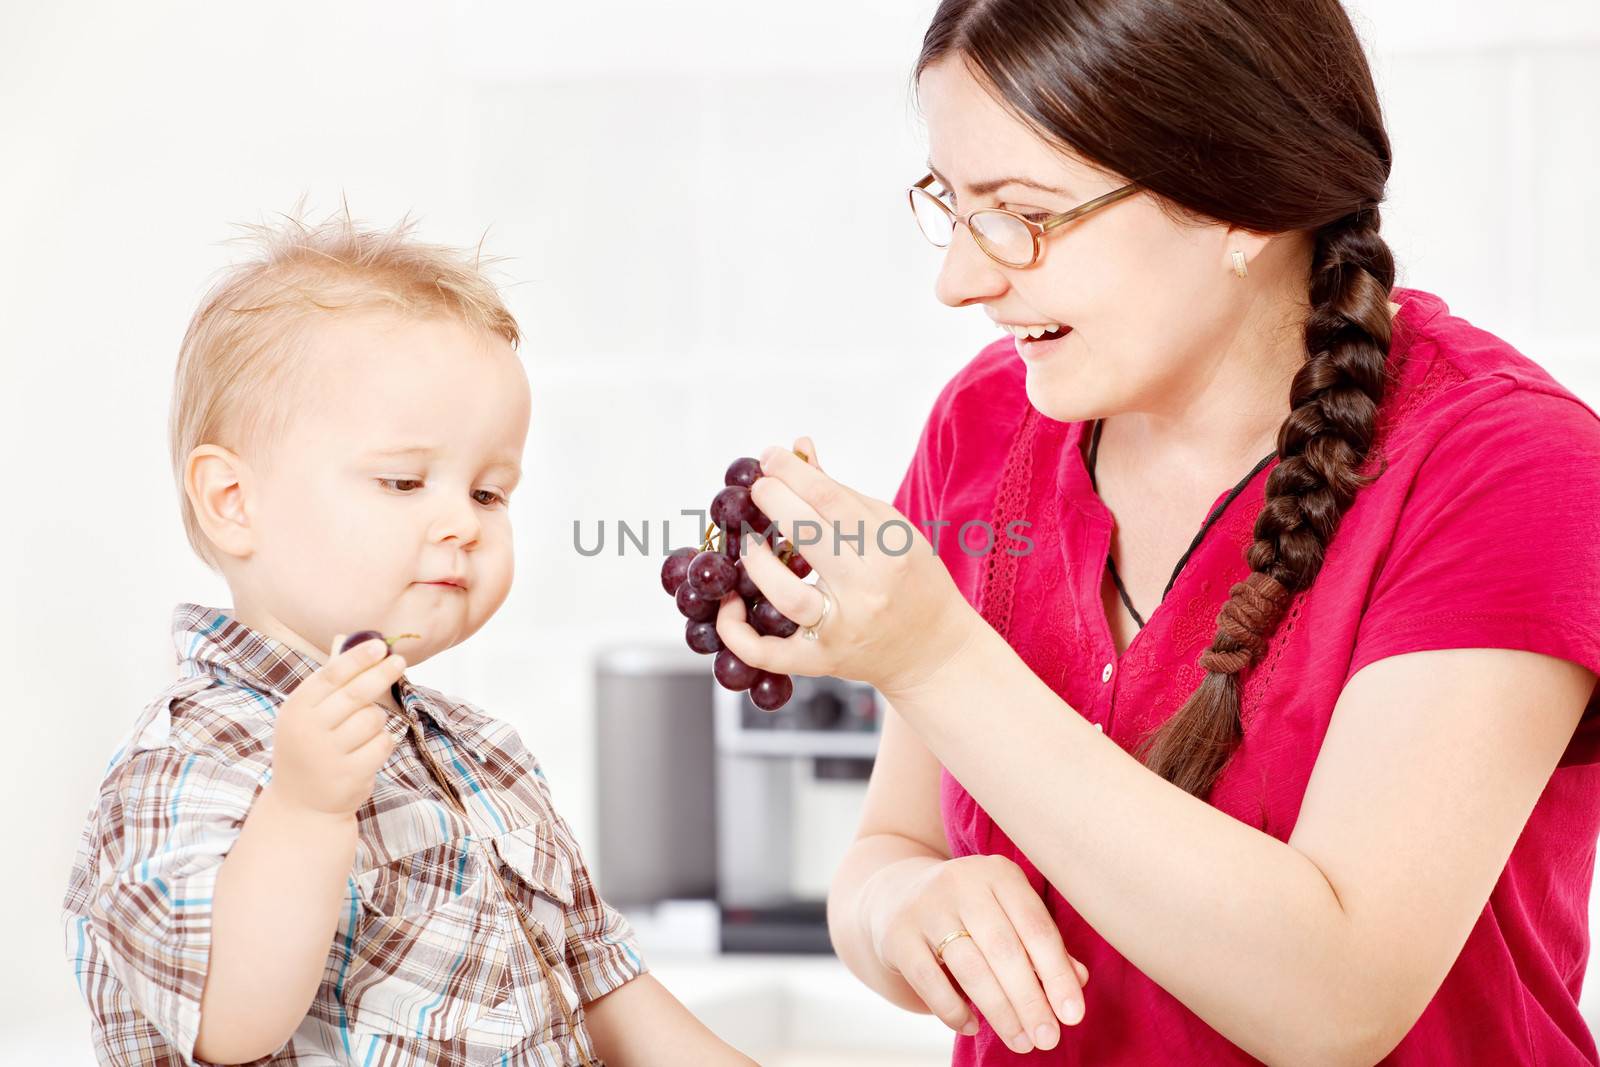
[[967, 276]]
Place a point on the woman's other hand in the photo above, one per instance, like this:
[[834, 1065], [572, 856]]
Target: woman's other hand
[[1013, 968]]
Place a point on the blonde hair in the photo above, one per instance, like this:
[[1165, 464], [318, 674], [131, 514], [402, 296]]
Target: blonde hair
[[242, 345]]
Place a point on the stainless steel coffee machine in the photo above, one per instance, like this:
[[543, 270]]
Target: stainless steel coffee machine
[[765, 762], [702, 795]]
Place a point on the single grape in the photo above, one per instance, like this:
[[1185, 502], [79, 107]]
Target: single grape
[[733, 506], [771, 691], [745, 585], [743, 471], [702, 637], [694, 606], [770, 621], [734, 673], [361, 636], [795, 562], [711, 574], [675, 569]]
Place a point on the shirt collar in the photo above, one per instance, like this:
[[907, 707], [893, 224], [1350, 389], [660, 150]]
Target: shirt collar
[[210, 641]]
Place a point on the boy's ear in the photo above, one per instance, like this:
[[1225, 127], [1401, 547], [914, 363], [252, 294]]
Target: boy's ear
[[216, 481]]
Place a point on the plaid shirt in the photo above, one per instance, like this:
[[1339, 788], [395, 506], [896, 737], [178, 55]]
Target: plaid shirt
[[431, 963]]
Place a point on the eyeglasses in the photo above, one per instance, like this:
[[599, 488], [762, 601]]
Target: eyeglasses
[[1004, 236]]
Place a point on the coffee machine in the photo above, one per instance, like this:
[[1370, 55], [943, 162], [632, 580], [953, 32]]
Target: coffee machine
[[828, 731], [705, 797]]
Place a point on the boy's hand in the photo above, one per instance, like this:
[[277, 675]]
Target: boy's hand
[[330, 740]]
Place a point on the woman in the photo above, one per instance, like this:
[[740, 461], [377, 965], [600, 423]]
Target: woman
[[1325, 791]]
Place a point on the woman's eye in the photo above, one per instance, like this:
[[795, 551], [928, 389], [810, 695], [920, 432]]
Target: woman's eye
[[494, 497], [401, 485]]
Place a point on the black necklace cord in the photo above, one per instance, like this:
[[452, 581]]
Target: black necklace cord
[[1111, 563]]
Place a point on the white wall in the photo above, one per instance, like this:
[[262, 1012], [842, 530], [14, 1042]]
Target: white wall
[[674, 184]]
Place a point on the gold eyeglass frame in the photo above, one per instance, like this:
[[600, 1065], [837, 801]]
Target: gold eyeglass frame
[[1038, 229]]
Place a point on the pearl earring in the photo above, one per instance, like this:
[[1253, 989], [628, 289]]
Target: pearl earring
[[1238, 264]]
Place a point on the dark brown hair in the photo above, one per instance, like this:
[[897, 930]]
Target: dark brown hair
[[1260, 114]]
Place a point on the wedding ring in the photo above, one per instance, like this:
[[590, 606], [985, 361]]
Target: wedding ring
[[810, 632], [938, 951]]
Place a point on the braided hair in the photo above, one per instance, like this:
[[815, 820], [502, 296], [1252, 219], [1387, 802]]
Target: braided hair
[[1287, 136], [1321, 447]]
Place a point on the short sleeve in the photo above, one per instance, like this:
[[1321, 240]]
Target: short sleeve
[[602, 952], [165, 821], [1498, 543]]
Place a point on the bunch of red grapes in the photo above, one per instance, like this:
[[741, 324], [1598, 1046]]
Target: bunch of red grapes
[[698, 579]]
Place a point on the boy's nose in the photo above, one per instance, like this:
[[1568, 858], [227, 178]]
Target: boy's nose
[[459, 523]]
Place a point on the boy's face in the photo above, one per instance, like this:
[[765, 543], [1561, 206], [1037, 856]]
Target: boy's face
[[349, 529]]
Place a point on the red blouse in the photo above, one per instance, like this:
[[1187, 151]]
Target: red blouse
[[1482, 531]]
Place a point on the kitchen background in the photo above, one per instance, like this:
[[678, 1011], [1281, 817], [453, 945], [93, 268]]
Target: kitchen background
[[709, 251]]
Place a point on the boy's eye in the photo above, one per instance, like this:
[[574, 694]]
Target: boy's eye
[[407, 485], [401, 485]]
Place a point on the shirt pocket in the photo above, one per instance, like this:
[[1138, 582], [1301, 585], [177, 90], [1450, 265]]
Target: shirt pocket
[[541, 876], [538, 876], [430, 955]]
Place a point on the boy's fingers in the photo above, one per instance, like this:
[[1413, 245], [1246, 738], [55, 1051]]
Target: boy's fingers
[[340, 668], [365, 688], [375, 752], [359, 727]]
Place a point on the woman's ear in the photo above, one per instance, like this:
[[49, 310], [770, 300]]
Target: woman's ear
[[1243, 241], [216, 481]]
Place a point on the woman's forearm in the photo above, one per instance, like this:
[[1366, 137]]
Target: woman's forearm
[[874, 866], [1243, 929], [274, 910]]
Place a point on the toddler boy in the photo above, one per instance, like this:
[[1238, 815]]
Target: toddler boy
[[299, 856]]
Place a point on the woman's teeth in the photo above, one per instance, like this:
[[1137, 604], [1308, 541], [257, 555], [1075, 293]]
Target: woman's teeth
[[1034, 332]]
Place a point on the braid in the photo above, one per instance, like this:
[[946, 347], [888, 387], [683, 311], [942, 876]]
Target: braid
[[1321, 447]]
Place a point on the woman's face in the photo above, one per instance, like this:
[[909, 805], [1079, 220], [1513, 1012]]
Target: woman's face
[[1153, 306]]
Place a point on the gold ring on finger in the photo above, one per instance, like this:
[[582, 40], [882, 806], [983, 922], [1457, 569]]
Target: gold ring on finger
[[810, 632], [938, 950]]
